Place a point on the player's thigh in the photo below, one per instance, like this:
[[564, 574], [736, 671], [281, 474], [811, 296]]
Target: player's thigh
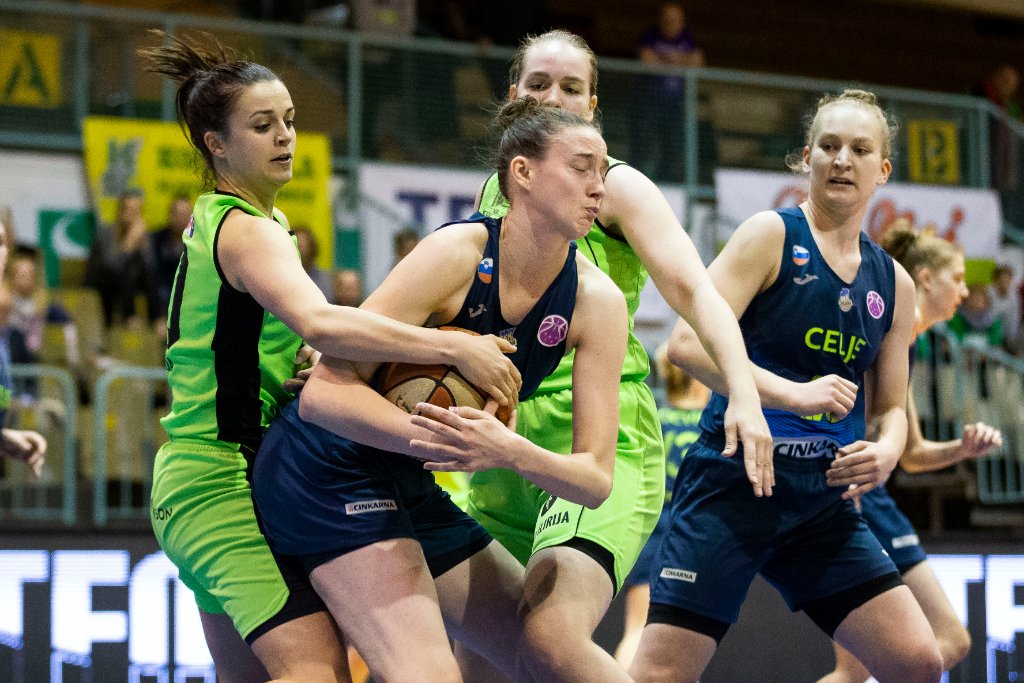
[[890, 635], [233, 658], [383, 598], [307, 649], [671, 654]]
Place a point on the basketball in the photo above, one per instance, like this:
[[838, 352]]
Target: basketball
[[406, 384]]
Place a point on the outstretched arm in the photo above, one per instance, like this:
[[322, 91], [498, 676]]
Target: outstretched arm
[[635, 207], [922, 455], [273, 275]]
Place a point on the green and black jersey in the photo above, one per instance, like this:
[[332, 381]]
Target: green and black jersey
[[616, 258], [226, 356]]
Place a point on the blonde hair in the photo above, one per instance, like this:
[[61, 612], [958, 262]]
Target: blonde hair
[[915, 250], [515, 70], [886, 124]]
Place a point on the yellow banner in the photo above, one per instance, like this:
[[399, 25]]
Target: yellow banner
[[933, 152], [155, 157], [29, 69]]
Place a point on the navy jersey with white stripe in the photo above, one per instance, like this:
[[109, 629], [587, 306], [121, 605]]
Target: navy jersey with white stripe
[[811, 323], [540, 336]]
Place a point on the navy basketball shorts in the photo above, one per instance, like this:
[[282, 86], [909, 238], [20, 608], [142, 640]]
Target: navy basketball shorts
[[804, 539], [641, 572], [892, 528], [320, 496]]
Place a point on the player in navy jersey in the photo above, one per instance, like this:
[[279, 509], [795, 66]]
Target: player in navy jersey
[[937, 268], [685, 398], [394, 559], [18, 444], [820, 306]]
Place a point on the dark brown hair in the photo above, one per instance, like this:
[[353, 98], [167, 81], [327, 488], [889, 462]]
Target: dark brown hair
[[526, 128], [210, 81]]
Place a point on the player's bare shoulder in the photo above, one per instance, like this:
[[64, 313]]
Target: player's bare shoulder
[[599, 302], [457, 245]]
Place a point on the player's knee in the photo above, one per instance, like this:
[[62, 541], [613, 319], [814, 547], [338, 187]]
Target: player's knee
[[923, 664]]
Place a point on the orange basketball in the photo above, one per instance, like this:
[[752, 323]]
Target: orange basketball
[[406, 384]]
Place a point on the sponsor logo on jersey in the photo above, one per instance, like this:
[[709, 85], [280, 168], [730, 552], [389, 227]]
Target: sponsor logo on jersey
[[805, 447], [485, 270], [678, 574], [553, 330], [845, 302], [846, 346], [190, 229], [876, 306], [474, 312], [547, 505], [800, 255], [905, 541], [805, 279], [551, 520], [362, 507]]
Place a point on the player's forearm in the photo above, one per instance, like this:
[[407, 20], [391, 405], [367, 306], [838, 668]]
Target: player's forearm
[[577, 477], [358, 413], [892, 433], [719, 333], [363, 336], [928, 456], [686, 351]]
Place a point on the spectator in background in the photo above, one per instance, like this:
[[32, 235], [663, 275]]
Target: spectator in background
[[121, 265], [1006, 304], [977, 319], [309, 250], [17, 444], [348, 288], [7, 224], [167, 245], [403, 242], [658, 139], [32, 311], [1000, 87]]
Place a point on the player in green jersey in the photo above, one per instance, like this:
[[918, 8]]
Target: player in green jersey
[[576, 557], [240, 308]]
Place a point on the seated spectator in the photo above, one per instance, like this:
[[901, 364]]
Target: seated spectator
[[977, 320], [167, 245], [32, 311], [17, 444], [1006, 304], [121, 265], [348, 287], [309, 249]]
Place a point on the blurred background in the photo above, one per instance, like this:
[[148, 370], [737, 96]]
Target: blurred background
[[393, 99]]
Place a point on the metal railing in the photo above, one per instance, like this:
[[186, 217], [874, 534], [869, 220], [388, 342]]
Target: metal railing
[[134, 425], [54, 495], [962, 382], [427, 101]]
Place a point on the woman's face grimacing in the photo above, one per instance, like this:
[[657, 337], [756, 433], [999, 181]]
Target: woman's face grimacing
[[845, 160], [558, 75], [259, 144], [569, 181]]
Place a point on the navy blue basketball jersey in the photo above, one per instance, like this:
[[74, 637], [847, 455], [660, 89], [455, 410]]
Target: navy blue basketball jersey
[[540, 336], [811, 323]]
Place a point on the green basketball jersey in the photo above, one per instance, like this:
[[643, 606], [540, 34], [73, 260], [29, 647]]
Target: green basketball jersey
[[226, 356], [613, 256]]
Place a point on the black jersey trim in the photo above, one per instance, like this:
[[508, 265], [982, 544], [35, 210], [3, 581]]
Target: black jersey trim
[[236, 366], [174, 319]]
